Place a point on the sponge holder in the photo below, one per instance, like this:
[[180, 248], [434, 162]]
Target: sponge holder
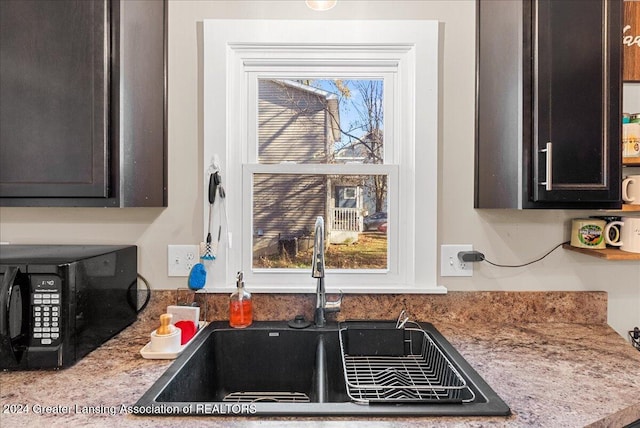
[[187, 297]]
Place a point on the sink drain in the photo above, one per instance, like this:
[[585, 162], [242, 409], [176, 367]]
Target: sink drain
[[267, 397]]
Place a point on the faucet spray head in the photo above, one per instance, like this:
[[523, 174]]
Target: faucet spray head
[[317, 263]]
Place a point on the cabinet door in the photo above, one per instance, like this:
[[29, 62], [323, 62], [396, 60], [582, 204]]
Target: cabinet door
[[54, 98], [576, 120]]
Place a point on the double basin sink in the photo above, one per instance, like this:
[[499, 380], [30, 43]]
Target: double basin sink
[[272, 369]]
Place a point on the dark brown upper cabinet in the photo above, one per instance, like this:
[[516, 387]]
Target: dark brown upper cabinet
[[548, 100], [83, 103]]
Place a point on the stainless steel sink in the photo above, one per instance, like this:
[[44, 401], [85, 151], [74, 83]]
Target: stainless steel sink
[[272, 369]]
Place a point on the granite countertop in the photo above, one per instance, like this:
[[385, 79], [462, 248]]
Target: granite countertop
[[558, 373]]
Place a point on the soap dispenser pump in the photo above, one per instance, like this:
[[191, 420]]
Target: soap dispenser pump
[[240, 305]]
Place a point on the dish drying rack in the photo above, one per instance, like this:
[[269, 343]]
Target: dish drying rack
[[420, 374]]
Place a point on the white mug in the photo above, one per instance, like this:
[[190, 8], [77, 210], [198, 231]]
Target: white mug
[[631, 190], [629, 237], [588, 233]]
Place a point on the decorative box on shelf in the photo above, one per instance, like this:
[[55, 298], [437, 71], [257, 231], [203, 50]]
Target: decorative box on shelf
[[631, 41]]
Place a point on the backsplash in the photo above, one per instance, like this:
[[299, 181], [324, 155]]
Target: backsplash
[[505, 307]]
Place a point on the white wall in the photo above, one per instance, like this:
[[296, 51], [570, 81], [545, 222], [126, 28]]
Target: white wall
[[505, 236], [631, 98]]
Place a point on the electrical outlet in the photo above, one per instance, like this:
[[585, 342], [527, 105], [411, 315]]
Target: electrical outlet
[[181, 258], [450, 264]]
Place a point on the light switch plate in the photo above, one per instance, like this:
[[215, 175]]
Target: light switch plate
[[450, 264], [181, 258]]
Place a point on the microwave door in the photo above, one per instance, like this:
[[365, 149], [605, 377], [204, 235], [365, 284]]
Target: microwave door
[[14, 316]]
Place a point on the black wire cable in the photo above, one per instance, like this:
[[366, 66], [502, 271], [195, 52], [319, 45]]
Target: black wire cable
[[528, 263], [132, 295]]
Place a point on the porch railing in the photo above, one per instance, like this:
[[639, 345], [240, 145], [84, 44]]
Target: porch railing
[[346, 220]]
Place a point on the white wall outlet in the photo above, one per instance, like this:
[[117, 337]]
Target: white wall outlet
[[181, 258], [450, 264]]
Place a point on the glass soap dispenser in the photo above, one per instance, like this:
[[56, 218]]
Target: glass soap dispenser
[[240, 306]]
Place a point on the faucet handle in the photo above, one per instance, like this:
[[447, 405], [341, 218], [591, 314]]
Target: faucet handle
[[334, 306]]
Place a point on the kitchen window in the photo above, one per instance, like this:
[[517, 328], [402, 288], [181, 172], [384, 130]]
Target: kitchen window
[[335, 123], [274, 118]]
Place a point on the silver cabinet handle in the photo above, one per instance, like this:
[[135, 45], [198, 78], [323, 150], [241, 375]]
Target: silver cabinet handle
[[548, 166]]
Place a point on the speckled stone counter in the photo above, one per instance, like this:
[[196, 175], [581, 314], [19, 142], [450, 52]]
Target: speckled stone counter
[[550, 356]]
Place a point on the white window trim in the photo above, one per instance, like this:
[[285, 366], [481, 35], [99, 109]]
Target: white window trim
[[233, 49]]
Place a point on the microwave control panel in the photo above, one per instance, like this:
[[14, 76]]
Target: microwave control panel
[[46, 316]]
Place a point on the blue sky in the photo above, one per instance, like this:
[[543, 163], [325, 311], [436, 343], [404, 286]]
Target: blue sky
[[348, 107]]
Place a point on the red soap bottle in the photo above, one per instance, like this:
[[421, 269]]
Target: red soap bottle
[[240, 305]]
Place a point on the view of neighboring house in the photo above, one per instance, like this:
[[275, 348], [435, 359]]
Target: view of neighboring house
[[373, 190], [300, 124]]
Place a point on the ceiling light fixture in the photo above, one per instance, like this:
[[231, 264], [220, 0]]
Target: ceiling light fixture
[[321, 4]]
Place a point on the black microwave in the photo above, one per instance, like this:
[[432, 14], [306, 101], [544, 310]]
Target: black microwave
[[60, 302]]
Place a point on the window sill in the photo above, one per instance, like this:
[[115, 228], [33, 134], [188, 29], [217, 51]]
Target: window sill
[[364, 289]]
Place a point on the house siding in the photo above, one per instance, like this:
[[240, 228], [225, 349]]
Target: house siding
[[292, 125], [285, 206], [292, 128]]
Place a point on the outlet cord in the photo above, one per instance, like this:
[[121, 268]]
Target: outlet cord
[[133, 294], [524, 264], [477, 256]]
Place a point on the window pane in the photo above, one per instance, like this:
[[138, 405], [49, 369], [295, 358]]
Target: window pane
[[320, 121], [285, 208]]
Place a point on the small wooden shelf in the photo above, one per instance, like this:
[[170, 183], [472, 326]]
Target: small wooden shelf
[[607, 253], [631, 208], [635, 161]]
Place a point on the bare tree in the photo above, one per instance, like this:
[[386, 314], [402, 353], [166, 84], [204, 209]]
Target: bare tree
[[370, 123]]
